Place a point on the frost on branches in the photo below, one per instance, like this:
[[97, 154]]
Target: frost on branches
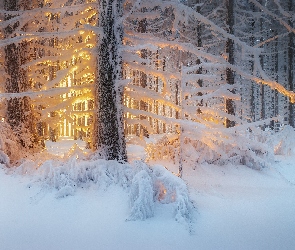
[[193, 70], [173, 69]]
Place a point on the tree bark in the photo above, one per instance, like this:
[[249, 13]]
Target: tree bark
[[291, 69], [230, 77], [109, 134], [19, 111]]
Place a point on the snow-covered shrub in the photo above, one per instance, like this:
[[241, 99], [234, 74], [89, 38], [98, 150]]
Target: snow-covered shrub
[[240, 145], [141, 196], [165, 147], [10, 148], [75, 172], [147, 186], [15, 146], [157, 184], [220, 146], [283, 141], [169, 188]]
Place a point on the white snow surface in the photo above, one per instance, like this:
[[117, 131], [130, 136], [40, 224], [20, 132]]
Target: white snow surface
[[237, 208]]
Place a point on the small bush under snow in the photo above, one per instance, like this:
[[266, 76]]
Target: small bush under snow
[[283, 141], [220, 146], [147, 186], [141, 196], [10, 149]]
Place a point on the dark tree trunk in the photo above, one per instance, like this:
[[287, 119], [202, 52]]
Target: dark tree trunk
[[262, 87], [199, 44], [142, 28], [291, 69], [230, 77], [253, 85], [109, 133], [19, 113], [275, 124]]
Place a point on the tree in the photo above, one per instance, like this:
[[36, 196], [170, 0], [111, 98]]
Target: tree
[[230, 78], [291, 64], [276, 60], [108, 136], [19, 110]]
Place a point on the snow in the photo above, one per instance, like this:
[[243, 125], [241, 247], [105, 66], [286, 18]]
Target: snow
[[64, 145], [238, 208], [250, 209]]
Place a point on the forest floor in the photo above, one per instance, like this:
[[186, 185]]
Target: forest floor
[[238, 208]]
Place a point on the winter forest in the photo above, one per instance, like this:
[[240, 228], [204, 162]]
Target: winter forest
[[150, 96]]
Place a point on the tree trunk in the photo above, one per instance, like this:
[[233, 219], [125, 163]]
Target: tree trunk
[[230, 77], [253, 91], [262, 63], [19, 114], [109, 133], [291, 69], [274, 124]]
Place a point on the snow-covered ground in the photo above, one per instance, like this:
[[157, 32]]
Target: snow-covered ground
[[238, 208]]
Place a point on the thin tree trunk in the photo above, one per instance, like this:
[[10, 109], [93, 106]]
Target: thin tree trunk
[[262, 87], [230, 77], [142, 28], [253, 85], [109, 134], [276, 94]]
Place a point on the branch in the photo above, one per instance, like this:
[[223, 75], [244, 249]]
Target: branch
[[281, 21]]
